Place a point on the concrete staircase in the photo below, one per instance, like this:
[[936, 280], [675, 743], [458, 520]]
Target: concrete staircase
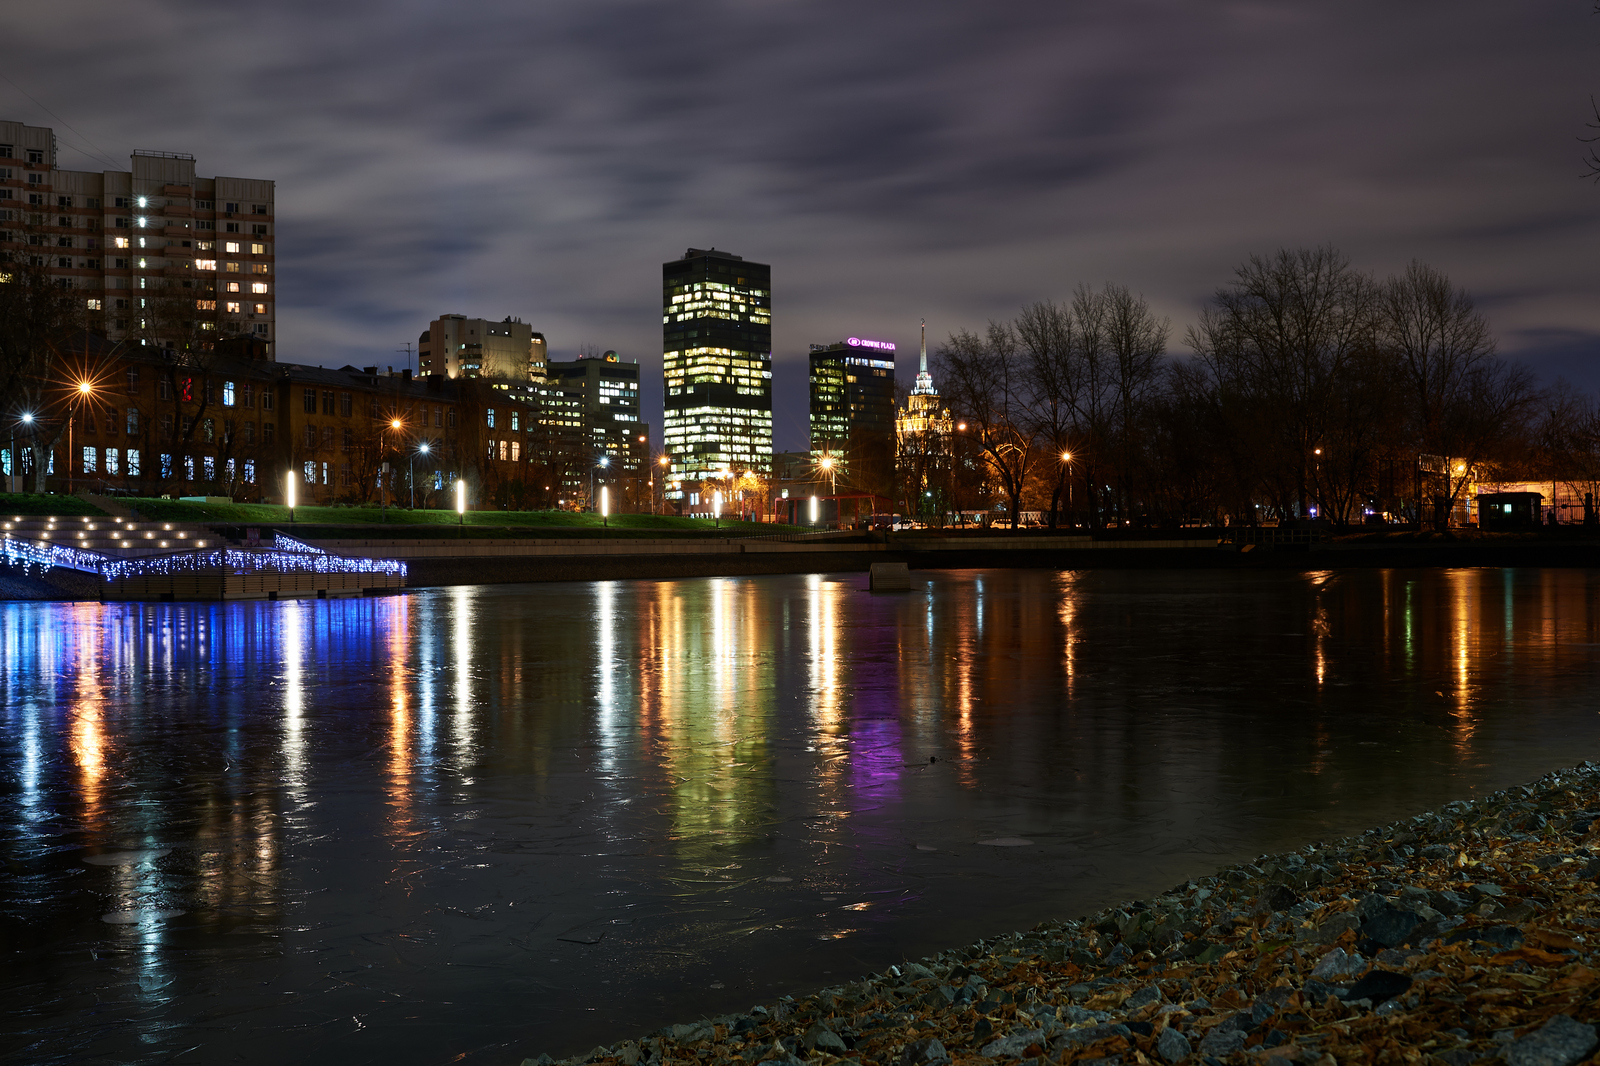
[[120, 538]]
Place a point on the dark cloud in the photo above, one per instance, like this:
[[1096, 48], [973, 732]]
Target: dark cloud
[[892, 161]]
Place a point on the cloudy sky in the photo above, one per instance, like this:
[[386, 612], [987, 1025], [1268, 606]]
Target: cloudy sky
[[891, 160]]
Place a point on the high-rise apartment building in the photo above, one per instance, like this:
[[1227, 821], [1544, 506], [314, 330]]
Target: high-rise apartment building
[[717, 364], [157, 254], [461, 347]]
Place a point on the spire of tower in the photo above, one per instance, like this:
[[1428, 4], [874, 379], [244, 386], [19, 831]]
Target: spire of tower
[[924, 386]]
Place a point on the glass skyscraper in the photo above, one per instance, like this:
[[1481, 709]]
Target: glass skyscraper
[[717, 364]]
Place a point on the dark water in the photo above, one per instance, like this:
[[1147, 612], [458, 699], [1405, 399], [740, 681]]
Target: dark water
[[472, 824]]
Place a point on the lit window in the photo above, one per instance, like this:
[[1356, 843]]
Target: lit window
[[232, 247], [227, 394], [259, 287], [258, 268], [94, 305], [232, 308], [133, 462], [205, 305], [231, 268], [88, 460], [261, 309], [120, 242], [258, 249], [205, 264], [230, 286]]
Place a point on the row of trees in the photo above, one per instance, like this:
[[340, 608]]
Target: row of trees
[[1310, 388]]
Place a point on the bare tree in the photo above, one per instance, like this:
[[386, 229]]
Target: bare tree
[[1463, 400], [1046, 334], [1135, 342], [44, 343], [1275, 345], [985, 381]]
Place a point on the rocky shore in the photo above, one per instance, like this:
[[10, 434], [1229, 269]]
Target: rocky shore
[[1458, 936]]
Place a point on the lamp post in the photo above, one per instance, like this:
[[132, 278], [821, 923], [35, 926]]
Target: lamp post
[[716, 509], [1066, 458], [605, 506], [662, 477], [461, 501], [16, 462], [605, 461], [288, 486], [84, 390], [383, 467], [422, 449]]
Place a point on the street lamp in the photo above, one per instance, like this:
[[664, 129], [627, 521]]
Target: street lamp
[[605, 461], [383, 467], [827, 465], [16, 464], [716, 509], [662, 462], [422, 449], [1066, 457], [461, 501], [288, 485], [605, 506], [84, 390]]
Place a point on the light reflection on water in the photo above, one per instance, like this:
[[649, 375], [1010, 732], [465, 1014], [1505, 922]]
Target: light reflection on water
[[497, 820]]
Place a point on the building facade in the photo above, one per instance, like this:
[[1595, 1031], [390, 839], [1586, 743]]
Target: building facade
[[458, 346], [593, 403], [852, 411], [155, 422], [716, 365], [158, 255]]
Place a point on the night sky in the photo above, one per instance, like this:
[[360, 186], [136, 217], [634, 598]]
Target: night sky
[[892, 161]]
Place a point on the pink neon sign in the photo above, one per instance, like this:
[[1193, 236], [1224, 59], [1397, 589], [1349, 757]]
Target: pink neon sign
[[883, 346]]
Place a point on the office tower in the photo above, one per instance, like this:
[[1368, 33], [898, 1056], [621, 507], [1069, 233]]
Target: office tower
[[592, 407], [717, 364], [852, 411], [158, 255], [461, 347], [852, 393]]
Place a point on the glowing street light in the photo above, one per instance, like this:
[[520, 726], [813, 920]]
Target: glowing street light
[[605, 506], [815, 510], [716, 509], [422, 449], [289, 492], [461, 501]]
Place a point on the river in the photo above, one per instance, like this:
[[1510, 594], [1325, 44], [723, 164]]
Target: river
[[476, 823]]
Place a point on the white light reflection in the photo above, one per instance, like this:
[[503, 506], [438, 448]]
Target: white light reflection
[[605, 665], [461, 597], [294, 741]]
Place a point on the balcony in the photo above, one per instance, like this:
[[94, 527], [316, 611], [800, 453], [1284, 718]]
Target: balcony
[[176, 231]]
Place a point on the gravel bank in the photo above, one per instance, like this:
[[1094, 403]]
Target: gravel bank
[[1458, 936]]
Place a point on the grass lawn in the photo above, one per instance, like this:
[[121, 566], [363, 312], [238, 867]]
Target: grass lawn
[[32, 503], [339, 521]]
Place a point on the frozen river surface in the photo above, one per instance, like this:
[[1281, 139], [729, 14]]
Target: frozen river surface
[[474, 824]]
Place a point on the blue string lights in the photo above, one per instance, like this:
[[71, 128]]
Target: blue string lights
[[286, 556]]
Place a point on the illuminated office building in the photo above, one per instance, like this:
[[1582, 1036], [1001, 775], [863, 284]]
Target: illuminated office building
[[717, 364], [852, 394]]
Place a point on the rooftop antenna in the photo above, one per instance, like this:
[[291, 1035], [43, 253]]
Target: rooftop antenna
[[407, 351]]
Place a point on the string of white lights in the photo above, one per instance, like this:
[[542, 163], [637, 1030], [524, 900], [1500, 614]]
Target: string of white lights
[[302, 559]]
